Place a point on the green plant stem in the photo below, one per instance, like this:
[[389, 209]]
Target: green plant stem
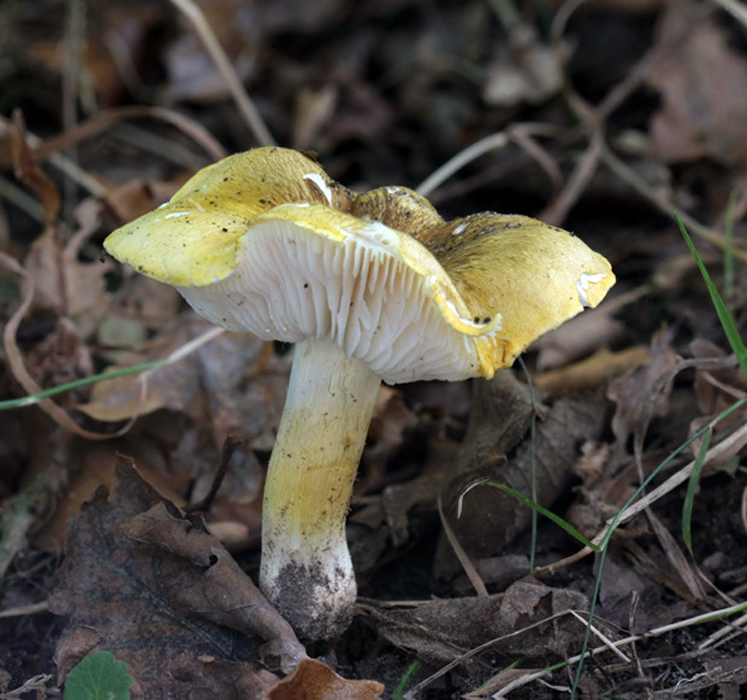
[[36, 398]]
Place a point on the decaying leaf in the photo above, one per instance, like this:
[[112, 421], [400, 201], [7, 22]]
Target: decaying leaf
[[231, 374], [153, 604], [500, 417], [223, 593], [526, 620], [590, 373], [62, 280], [313, 680], [642, 393], [703, 82]]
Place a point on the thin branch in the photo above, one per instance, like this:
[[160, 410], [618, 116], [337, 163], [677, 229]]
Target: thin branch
[[477, 149], [230, 444], [243, 101]]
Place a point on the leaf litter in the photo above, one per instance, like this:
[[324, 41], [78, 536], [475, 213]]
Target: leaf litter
[[157, 590], [607, 137]]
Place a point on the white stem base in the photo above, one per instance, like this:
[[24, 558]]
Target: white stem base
[[306, 570]]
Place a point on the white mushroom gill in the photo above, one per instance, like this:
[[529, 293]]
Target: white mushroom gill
[[358, 293]]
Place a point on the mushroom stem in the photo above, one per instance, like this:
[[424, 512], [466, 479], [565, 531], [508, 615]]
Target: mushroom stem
[[306, 569]]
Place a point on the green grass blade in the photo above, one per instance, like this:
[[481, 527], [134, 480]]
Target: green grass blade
[[399, 691], [572, 531], [35, 398], [692, 487], [727, 322]]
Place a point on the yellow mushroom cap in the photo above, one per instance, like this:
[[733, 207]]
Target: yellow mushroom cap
[[265, 242], [193, 239]]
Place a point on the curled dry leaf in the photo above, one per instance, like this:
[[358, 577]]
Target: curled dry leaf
[[87, 466], [151, 607], [531, 612], [222, 592], [590, 373], [576, 339], [501, 413], [313, 680], [63, 282], [215, 374], [27, 170], [703, 82], [137, 196], [643, 393]]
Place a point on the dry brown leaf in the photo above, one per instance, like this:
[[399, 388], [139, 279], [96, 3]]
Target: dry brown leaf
[[155, 609], [90, 465], [715, 389], [643, 393], [500, 418], [531, 71], [314, 680], [703, 82], [27, 170], [54, 269], [590, 373], [137, 197], [441, 631], [578, 337], [175, 386], [222, 592], [61, 280], [209, 385]]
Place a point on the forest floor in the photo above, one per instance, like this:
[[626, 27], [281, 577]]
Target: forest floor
[[604, 118]]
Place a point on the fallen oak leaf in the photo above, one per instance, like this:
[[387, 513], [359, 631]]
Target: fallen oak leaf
[[222, 593], [314, 680], [702, 81], [588, 374], [529, 619], [489, 518], [120, 590]]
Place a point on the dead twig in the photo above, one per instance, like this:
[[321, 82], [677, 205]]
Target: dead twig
[[735, 9], [464, 560], [230, 444], [49, 149], [250, 113], [587, 164], [481, 147], [23, 610], [657, 632]]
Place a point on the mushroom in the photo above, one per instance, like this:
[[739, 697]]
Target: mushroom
[[370, 287]]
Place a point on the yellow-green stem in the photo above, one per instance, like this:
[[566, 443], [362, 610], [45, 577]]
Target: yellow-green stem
[[306, 569]]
